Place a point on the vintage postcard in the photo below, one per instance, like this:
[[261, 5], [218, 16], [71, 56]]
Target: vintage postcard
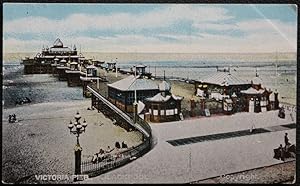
[[149, 93]]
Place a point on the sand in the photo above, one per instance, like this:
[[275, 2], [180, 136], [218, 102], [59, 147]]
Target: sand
[[40, 143]]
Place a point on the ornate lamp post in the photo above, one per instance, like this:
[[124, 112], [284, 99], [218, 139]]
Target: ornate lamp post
[[77, 128]]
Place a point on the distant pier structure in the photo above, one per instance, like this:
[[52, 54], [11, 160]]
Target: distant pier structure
[[141, 70], [47, 61]]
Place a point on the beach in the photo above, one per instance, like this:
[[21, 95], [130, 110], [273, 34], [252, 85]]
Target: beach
[[40, 142]]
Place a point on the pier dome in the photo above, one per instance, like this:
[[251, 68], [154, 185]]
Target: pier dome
[[58, 43]]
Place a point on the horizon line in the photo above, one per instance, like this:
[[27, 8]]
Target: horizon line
[[290, 52]]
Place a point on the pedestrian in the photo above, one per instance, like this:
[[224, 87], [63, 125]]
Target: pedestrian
[[9, 118], [94, 160], [292, 116], [124, 145], [117, 145], [14, 118], [252, 128], [286, 140], [101, 151], [109, 149], [282, 153]]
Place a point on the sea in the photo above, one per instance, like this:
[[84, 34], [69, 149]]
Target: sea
[[277, 72]]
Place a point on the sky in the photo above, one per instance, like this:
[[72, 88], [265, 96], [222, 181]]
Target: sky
[[159, 28]]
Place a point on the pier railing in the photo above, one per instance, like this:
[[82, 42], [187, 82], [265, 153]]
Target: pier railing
[[95, 168]]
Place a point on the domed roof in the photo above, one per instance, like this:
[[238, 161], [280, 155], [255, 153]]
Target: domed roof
[[164, 86], [257, 81], [58, 43]]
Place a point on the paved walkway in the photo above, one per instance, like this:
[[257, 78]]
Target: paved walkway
[[186, 163]]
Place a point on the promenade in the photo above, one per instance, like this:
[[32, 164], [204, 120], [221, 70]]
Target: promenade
[[166, 163]]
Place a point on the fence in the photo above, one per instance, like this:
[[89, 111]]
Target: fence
[[103, 165], [112, 162]]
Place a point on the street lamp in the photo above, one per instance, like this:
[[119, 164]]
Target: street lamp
[[77, 128]]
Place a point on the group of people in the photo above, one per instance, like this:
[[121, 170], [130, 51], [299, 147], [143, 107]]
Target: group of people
[[102, 154], [12, 118], [118, 146], [106, 154], [288, 151]]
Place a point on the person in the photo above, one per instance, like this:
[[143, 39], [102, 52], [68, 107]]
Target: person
[[117, 145], [14, 119], [252, 128], [101, 151], [124, 145], [109, 149], [9, 118], [283, 112], [286, 140], [95, 158], [282, 154]]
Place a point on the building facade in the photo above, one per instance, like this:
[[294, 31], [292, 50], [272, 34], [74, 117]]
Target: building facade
[[235, 94], [164, 106]]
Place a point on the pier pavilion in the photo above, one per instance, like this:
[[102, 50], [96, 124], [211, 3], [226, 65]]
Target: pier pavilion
[[257, 97], [235, 94], [42, 62], [219, 85], [121, 93], [73, 75], [92, 75], [111, 66], [164, 106], [141, 70], [97, 63], [61, 70]]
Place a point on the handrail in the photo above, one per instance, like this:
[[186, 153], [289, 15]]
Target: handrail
[[119, 111]]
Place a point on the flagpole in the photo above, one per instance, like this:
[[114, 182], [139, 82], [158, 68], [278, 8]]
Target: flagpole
[[135, 99], [276, 71], [116, 68]]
